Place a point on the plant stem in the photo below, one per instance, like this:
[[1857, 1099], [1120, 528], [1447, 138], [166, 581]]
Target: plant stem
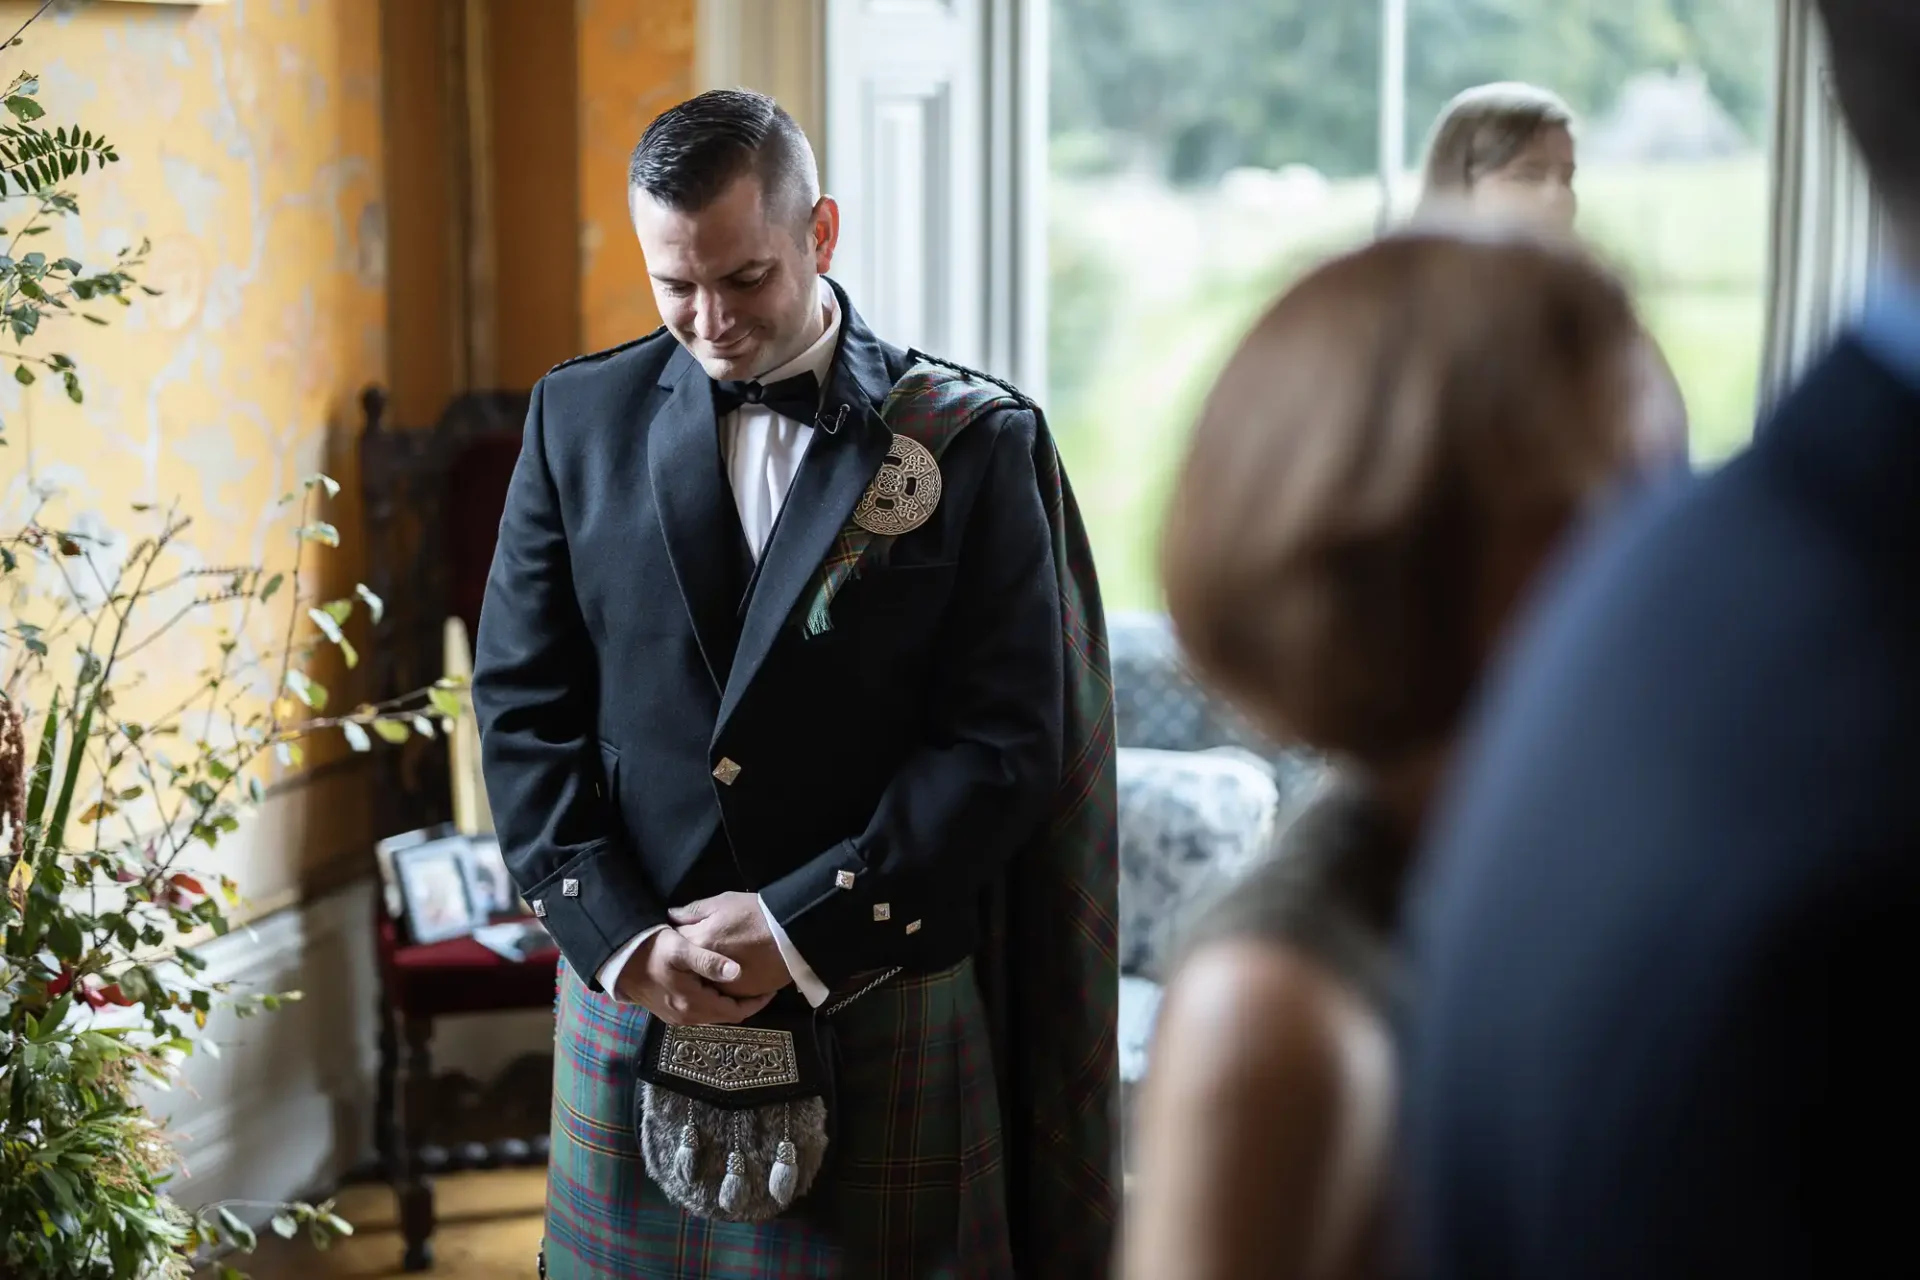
[[48, 4]]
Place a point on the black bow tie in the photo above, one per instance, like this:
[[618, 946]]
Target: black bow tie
[[797, 397]]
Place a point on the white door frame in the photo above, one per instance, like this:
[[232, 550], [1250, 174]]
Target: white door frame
[[783, 48], [775, 46]]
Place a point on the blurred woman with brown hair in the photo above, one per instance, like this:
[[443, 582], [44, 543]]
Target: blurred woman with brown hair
[[1377, 478]]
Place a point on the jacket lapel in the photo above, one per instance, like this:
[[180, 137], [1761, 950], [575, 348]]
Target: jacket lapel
[[849, 444], [696, 508]]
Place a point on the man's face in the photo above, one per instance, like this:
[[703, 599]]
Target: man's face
[[738, 288], [1536, 186]]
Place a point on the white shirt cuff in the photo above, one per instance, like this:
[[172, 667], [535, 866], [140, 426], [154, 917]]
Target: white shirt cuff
[[804, 977], [609, 975]]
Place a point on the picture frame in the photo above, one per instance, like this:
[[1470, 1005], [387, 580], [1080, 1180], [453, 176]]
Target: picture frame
[[437, 891], [495, 894], [383, 852]]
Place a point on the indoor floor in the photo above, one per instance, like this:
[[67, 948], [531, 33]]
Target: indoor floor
[[489, 1229]]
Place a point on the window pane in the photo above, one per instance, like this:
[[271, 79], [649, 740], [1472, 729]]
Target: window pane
[[1204, 152], [1674, 99]]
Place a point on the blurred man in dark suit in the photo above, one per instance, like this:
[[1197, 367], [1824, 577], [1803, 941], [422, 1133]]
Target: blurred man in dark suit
[[1666, 944]]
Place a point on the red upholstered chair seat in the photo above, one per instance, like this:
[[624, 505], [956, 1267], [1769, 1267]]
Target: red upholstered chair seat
[[461, 976]]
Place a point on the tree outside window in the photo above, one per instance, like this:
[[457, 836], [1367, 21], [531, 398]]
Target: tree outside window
[[1204, 152]]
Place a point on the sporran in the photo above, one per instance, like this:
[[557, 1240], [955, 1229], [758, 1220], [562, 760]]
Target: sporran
[[735, 1122]]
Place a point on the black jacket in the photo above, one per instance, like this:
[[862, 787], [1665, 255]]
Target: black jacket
[[629, 660], [1667, 939]]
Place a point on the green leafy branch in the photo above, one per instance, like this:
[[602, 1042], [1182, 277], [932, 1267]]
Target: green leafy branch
[[101, 901], [33, 161]]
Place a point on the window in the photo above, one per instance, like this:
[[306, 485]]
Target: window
[[1204, 152]]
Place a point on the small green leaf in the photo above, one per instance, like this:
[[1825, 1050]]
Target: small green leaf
[[284, 1226], [423, 726], [392, 730], [307, 690], [328, 624], [273, 585], [25, 109], [326, 482], [319, 531], [356, 736], [446, 702], [239, 1232], [22, 374], [376, 607], [63, 932]]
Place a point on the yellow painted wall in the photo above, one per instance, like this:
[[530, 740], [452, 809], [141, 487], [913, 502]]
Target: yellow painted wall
[[636, 60], [535, 178], [421, 371], [250, 144], [258, 158], [568, 96]]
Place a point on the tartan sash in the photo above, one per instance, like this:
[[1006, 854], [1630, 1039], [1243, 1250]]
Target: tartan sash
[[1055, 1042], [930, 405]]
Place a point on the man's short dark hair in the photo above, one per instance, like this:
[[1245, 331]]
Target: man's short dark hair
[[1873, 49], [693, 152]]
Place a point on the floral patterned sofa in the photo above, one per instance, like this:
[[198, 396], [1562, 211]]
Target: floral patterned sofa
[[1200, 793]]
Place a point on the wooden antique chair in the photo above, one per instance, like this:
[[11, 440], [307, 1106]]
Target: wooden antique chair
[[432, 499]]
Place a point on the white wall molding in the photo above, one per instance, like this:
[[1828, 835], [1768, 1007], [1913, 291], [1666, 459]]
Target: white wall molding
[[288, 1104]]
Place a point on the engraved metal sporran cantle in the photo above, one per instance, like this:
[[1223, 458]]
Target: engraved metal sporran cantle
[[735, 1122]]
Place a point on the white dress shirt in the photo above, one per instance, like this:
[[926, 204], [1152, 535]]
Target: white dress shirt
[[762, 452]]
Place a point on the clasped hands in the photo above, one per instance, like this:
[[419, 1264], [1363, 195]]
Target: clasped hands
[[715, 963]]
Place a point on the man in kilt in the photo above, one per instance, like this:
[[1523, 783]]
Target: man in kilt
[[792, 683]]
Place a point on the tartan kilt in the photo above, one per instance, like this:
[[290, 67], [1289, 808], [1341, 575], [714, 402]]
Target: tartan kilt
[[915, 1187]]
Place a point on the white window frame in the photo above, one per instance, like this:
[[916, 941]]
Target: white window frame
[[787, 48]]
